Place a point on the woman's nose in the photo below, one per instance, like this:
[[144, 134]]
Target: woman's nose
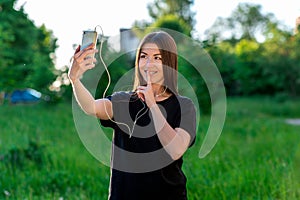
[[149, 62]]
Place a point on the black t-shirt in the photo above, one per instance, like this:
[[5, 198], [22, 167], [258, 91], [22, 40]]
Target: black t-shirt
[[141, 168]]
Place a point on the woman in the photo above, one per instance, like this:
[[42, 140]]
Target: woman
[[153, 125]]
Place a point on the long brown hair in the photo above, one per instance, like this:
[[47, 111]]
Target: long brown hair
[[168, 51]]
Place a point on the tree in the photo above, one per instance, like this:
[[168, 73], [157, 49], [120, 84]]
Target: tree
[[249, 66], [281, 61], [180, 8], [163, 13], [174, 23], [245, 22], [26, 51]]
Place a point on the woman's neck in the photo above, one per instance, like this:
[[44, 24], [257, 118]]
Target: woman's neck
[[160, 92]]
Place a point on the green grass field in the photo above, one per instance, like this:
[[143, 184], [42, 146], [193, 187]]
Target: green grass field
[[257, 156]]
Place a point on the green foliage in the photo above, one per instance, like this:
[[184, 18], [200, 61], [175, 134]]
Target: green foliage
[[25, 51], [250, 20], [281, 54], [245, 22], [117, 69], [249, 67], [226, 60], [199, 58], [174, 15], [248, 72], [180, 8], [118, 65], [174, 23]]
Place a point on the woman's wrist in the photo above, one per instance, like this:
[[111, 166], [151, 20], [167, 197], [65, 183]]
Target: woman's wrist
[[73, 80], [153, 106], [155, 110], [158, 118]]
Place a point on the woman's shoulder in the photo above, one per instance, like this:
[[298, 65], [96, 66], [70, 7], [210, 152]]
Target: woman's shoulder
[[184, 99], [186, 104], [122, 96]]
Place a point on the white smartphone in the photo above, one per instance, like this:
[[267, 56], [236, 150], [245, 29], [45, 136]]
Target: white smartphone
[[89, 37]]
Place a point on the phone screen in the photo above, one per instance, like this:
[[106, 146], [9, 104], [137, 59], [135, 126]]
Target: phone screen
[[88, 38]]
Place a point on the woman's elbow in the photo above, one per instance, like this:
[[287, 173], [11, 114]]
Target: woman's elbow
[[179, 145], [175, 155]]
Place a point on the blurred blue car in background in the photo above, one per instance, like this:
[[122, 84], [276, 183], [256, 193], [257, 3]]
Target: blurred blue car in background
[[25, 96]]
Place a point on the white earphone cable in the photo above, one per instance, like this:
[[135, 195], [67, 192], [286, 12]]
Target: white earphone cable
[[108, 84]]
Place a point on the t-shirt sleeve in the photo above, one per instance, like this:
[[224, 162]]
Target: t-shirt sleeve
[[188, 118], [120, 103]]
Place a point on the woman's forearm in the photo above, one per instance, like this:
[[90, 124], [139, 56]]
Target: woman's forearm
[[175, 141], [84, 98]]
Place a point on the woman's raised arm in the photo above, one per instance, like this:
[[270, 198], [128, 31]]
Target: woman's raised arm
[[101, 108]]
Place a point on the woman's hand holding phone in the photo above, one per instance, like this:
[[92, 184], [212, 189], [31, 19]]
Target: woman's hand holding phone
[[82, 62]]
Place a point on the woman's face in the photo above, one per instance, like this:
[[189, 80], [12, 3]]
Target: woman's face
[[150, 60]]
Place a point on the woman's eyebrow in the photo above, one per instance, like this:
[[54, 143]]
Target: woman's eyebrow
[[157, 54]]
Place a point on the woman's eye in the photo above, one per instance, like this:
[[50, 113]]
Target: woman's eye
[[157, 58], [142, 56]]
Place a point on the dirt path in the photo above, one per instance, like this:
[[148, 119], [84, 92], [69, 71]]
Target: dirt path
[[293, 121]]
